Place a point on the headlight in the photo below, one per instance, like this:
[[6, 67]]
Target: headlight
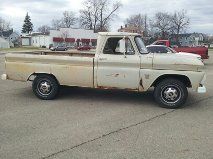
[[200, 59]]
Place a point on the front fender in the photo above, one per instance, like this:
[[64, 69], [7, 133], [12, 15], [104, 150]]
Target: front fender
[[149, 76]]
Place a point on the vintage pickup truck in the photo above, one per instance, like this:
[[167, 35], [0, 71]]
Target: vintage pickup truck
[[121, 61]]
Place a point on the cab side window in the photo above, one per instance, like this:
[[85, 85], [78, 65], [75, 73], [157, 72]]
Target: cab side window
[[116, 46]]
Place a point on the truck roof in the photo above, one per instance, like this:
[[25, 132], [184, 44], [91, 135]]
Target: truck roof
[[117, 34]]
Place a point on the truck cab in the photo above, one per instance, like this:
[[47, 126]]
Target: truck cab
[[119, 61]]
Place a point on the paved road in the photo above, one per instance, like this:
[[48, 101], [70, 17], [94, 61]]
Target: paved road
[[86, 123]]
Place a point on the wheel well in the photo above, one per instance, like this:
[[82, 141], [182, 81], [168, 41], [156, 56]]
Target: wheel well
[[181, 78], [33, 76]]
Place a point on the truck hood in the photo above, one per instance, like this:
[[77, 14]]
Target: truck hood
[[177, 61], [190, 54]]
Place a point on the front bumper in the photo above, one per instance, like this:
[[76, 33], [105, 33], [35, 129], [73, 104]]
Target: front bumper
[[4, 77], [201, 89]]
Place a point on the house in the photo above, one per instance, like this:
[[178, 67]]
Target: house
[[131, 29], [189, 39], [12, 37], [65, 36], [4, 43], [40, 39]]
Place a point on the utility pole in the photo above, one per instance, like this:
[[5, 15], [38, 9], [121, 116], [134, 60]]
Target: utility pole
[[145, 25]]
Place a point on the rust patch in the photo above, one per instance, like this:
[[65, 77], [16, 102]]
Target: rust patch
[[141, 88], [111, 88], [77, 54], [113, 75]]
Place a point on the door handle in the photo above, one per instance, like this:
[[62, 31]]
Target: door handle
[[101, 59]]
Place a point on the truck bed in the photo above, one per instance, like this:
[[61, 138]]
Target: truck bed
[[75, 53], [70, 68], [70, 53]]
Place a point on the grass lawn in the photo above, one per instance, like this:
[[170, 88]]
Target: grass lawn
[[27, 48]]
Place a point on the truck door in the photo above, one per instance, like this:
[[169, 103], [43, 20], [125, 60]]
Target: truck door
[[116, 70]]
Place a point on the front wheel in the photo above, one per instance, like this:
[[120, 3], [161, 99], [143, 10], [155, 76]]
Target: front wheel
[[171, 93], [45, 87]]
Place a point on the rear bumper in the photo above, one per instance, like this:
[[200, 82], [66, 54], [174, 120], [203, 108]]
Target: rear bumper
[[4, 76]]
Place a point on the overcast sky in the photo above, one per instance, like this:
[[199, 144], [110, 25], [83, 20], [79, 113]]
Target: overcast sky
[[42, 12]]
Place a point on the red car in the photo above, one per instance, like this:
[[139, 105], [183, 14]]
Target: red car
[[202, 51], [85, 47]]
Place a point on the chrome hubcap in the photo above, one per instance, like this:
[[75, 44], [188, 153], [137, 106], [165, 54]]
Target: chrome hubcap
[[171, 94], [44, 87]]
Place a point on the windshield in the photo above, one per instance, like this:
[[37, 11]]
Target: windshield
[[140, 44]]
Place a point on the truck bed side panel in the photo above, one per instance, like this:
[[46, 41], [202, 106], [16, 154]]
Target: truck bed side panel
[[71, 71]]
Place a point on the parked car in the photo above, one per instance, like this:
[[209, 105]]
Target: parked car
[[165, 49], [121, 61], [85, 47], [202, 51], [93, 47], [59, 48], [71, 47]]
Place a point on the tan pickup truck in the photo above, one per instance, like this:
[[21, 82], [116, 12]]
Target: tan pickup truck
[[121, 61]]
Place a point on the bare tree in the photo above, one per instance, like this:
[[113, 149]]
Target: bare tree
[[210, 39], [162, 22], [44, 29], [136, 20], [67, 21], [139, 21], [179, 23], [86, 19], [56, 24], [107, 13], [4, 25], [97, 14], [88, 15]]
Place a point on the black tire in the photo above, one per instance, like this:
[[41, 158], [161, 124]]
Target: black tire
[[171, 93], [45, 87]]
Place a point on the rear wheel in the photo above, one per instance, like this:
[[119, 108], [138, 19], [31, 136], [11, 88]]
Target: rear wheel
[[171, 93], [45, 87]]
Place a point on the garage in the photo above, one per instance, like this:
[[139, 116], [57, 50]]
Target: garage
[[4, 43]]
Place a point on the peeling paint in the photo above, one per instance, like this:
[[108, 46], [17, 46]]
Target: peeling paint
[[113, 75]]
